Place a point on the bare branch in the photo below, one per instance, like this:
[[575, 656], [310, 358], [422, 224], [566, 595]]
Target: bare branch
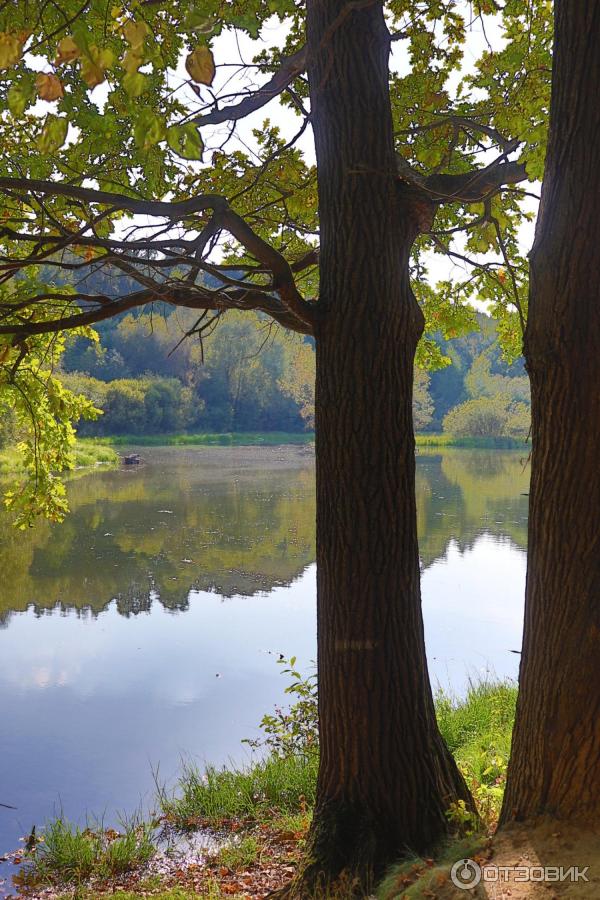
[[173, 211]]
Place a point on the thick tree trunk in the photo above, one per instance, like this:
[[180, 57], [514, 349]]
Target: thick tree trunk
[[555, 765], [386, 778]]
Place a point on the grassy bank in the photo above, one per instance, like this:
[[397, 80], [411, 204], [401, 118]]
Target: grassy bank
[[261, 814], [488, 443], [88, 453], [276, 438], [239, 439]]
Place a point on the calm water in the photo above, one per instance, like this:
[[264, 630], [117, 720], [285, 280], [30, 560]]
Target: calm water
[[146, 627]]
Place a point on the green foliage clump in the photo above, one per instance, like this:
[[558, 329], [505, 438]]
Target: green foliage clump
[[488, 417], [293, 731], [498, 404], [66, 853], [282, 784], [478, 730], [239, 854]]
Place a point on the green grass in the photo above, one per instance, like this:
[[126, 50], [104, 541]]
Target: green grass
[[67, 853], [240, 854], [417, 878], [280, 792], [88, 454], [270, 788], [484, 717], [449, 440], [238, 439], [477, 729]]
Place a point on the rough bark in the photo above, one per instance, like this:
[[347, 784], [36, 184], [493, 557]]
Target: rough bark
[[386, 779], [555, 765]]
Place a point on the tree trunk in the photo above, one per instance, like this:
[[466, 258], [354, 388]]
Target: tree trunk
[[386, 779], [555, 765]]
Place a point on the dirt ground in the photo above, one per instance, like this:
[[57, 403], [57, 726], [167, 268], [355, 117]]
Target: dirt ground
[[547, 845]]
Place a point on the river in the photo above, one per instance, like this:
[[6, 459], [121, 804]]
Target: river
[[145, 629]]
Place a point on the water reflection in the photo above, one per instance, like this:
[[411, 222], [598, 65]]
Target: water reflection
[[204, 520], [212, 520], [100, 678]]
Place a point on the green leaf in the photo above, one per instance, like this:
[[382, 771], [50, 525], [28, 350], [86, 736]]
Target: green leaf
[[20, 95], [53, 134], [134, 83], [196, 21], [185, 140], [149, 129]]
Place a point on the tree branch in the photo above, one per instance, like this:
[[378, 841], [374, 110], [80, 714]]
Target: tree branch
[[466, 187], [301, 313], [475, 186], [173, 211], [291, 67]]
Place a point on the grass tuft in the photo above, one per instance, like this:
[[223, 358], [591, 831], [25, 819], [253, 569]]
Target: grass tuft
[[283, 784], [68, 854], [478, 731], [417, 878], [239, 854]]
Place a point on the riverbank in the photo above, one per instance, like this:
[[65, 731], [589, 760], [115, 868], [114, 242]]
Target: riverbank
[[228, 439], [282, 438], [240, 832], [89, 453], [473, 443]]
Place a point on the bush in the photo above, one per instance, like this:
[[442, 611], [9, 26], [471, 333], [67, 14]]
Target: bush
[[496, 416]]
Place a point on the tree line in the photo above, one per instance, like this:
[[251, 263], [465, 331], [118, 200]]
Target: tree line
[[248, 376]]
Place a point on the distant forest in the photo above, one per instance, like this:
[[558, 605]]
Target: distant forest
[[251, 375]]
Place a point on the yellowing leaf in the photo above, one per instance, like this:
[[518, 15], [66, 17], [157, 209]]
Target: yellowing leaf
[[11, 49], [53, 134], [185, 140], [49, 87], [95, 64], [136, 33], [149, 129], [200, 65], [132, 61], [134, 83], [67, 51]]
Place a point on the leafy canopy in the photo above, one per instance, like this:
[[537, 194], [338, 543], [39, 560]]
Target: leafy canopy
[[137, 139]]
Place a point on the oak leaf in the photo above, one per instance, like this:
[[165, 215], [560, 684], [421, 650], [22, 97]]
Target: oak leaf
[[53, 134]]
